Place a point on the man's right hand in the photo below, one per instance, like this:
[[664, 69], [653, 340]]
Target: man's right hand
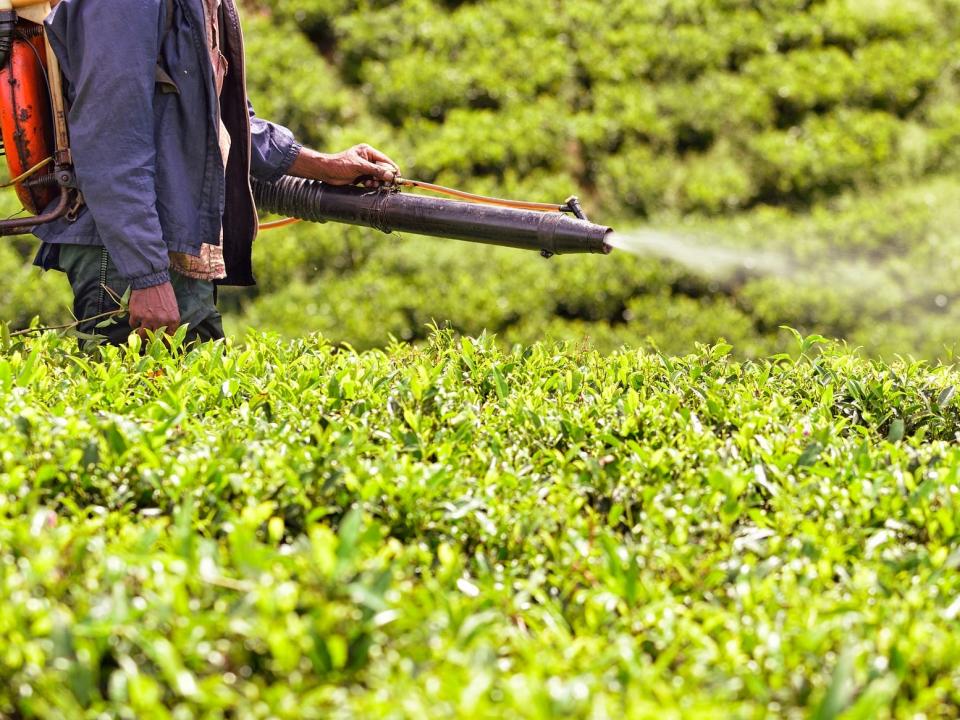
[[153, 308], [361, 163]]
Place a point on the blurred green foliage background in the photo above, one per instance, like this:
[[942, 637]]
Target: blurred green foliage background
[[824, 131]]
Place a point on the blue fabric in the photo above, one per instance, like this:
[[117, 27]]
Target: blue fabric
[[148, 162]]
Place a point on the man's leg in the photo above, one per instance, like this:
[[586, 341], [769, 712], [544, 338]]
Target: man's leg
[[90, 269], [198, 308]]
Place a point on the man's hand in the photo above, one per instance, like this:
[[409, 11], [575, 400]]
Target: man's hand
[[153, 308], [360, 164]]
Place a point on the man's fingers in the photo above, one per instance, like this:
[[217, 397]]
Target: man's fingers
[[170, 325], [366, 168], [388, 173], [381, 171], [154, 307], [371, 153], [373, 171]]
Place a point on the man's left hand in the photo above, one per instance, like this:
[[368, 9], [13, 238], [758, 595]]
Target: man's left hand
[[361, 164]]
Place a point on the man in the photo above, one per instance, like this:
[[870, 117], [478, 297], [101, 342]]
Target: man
[[164, 142]]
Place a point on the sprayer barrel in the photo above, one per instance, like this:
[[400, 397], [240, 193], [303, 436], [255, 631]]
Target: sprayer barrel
[[551, 233]]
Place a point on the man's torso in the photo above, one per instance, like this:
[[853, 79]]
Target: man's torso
[[194, 199]]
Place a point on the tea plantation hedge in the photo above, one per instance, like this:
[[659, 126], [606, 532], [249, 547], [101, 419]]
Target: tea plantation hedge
[[822, 130], [700, 106], [494, 526], [289, 530], [651, 111], [879, 270]]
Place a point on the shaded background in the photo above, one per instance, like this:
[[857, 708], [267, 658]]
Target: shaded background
[[784, 162]]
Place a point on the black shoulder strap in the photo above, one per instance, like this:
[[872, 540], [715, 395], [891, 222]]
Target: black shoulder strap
[[166, 83]]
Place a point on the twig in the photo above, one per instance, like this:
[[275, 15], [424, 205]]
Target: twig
[[122, 310], [68, 326], [228, 584]]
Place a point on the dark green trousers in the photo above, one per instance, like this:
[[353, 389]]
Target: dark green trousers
[[90, 268]]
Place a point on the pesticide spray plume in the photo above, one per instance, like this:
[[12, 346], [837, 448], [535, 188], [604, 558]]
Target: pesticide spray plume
[[877, 288], [704, 256]]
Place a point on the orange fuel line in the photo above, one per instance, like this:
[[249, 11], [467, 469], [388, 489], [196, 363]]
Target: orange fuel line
[[481, 199], [277, 224]]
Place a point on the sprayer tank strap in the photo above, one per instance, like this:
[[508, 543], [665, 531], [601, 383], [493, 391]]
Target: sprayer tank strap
[[166, 83]]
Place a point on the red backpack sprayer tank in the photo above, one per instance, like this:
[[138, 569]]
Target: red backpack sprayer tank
[[36, 143]]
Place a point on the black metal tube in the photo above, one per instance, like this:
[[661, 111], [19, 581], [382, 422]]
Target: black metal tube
[[8, 23], [388, 211], [19, 226]]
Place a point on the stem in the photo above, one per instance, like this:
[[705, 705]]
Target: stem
[[229, 584], [67, 326]]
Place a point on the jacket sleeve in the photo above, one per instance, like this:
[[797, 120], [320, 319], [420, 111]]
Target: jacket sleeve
[[111, 49], [272, 148]]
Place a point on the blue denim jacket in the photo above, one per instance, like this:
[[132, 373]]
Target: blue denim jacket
[[146, 154]]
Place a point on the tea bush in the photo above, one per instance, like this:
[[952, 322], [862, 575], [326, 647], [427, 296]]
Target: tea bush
[[820, 131], [23, 296], [877, 269], [288, 530], [478, 89], [649, 110]]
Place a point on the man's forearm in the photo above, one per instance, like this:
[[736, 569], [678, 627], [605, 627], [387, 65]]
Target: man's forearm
[[310, 164], [359, 163]]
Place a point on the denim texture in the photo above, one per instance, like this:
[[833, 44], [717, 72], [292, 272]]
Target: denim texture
[[89, 269]]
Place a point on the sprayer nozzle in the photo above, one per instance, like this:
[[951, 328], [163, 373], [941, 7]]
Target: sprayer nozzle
[[526, 227], [608, 242]]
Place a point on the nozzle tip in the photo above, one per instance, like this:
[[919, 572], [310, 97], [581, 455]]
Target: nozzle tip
[[607, 242]]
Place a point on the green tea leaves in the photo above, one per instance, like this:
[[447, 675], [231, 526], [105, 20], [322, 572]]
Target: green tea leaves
[[577, 530]]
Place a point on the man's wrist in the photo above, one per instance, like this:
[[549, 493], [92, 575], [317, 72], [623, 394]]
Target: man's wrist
[[143, 282], [310, 164]]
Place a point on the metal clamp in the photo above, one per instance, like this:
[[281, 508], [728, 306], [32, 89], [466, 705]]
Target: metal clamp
[[573, 206]]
